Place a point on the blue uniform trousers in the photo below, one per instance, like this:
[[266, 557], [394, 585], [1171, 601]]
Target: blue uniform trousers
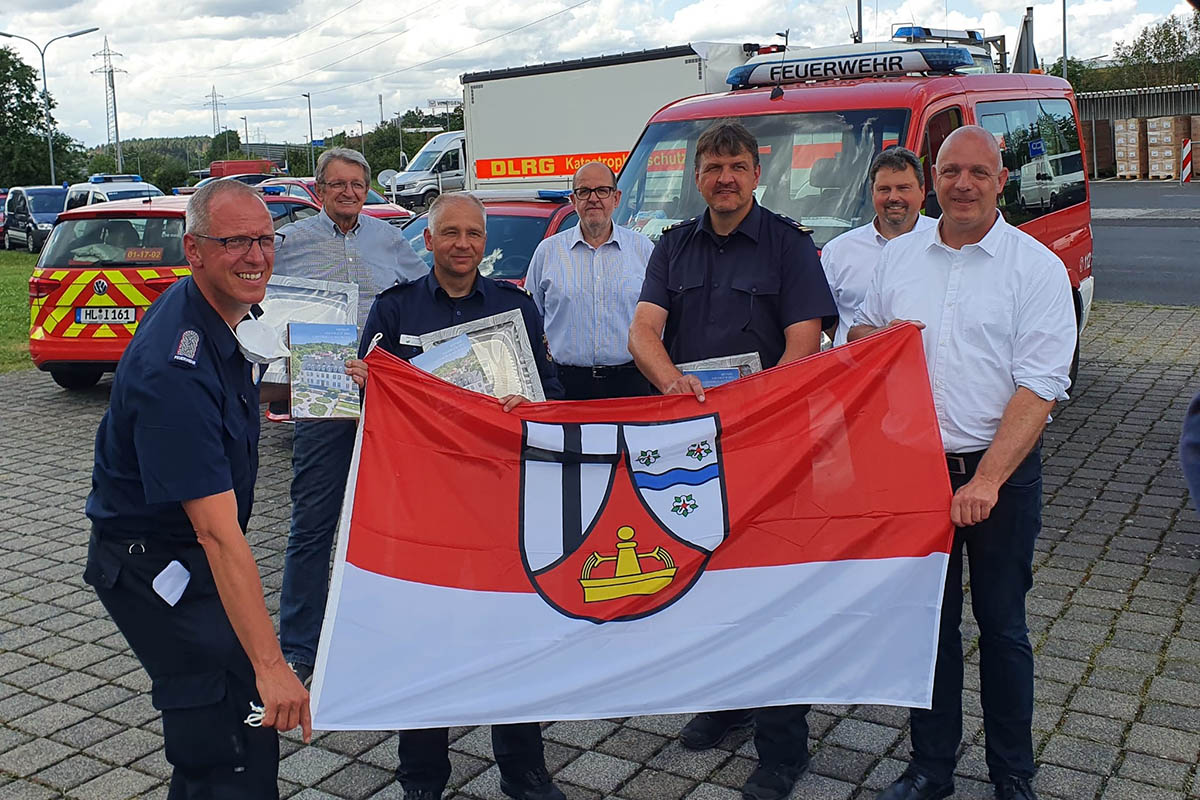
[[425, 758], [203, 682], [1000, 553], [321, 452]]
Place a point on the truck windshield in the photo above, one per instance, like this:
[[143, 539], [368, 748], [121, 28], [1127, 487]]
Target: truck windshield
[[814, 169], [424, 160]]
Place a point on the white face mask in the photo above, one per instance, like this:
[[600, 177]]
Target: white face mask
[[259, 342]]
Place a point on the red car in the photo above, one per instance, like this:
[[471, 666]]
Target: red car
[[516, 223], [100, 269], [376, 205]]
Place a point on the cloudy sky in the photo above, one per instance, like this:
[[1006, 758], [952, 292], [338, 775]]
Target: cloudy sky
[[262, 54]]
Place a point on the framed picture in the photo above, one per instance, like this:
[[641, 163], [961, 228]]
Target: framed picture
[[303, 300], [501, 346]]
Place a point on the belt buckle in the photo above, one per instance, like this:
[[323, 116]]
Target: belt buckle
[[957, 465], [597, 372]]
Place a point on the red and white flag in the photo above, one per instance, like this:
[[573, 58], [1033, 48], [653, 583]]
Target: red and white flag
[[784, 542]]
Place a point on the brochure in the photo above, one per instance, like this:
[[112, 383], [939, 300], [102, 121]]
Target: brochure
[[321, 389]]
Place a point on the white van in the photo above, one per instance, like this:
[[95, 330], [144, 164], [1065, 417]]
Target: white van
[[437, 167]]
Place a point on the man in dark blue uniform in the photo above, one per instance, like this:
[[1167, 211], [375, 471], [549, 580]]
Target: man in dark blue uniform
[[453, 293], [176, 460], [736, 279]]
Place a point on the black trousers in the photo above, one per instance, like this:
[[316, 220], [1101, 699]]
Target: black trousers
[[597, 383], [425, 759], [202, 681], [780, 733], [1000, 553]]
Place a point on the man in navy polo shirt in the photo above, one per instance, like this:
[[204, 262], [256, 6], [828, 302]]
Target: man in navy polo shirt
[[176, 460]]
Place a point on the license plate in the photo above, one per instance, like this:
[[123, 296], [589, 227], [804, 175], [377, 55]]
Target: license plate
[[105, 315]]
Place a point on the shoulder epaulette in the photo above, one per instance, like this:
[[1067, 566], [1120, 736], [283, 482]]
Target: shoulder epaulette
[[397, 286], [514, 287], [792, 222], [681, 223]]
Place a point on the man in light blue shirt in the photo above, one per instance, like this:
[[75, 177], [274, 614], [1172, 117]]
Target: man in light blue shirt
[[586, 281], [339, 244]]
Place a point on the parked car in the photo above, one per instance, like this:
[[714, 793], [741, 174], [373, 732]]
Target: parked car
[[102, 267], [102, 188], [30, 212], [516, 222], [375, 206]]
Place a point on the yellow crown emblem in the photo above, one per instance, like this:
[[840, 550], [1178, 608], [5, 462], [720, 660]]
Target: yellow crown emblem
[[628, 578]]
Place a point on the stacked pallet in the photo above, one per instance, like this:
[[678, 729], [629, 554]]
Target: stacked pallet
[[1164, 137], [1099, 152], [1132, 150]]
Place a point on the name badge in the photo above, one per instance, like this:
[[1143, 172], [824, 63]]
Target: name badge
[[409, 341]]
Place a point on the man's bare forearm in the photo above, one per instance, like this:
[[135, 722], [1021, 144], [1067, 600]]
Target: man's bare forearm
[[1022, 423]]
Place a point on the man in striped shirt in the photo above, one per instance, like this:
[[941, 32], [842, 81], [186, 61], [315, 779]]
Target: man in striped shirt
[[586, 281]]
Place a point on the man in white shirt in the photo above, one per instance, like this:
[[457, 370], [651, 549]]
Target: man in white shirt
[[586, 281], [999, 335], [897, 192]]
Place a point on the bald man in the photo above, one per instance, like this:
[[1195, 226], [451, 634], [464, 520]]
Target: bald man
[[586, 281], [999, 334]]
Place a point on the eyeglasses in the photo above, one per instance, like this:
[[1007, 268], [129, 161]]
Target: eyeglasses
[[601, 192], [358, 187], [240, 245]]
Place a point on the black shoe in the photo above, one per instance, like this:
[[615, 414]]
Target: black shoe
[[708, 730], [772, 781], [422, 794], [303, 672], [533, 785], [916, 787], [1013, 788]]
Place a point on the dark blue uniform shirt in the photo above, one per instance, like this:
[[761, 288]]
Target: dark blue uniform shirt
[[422, 306], [730, 295], [182, 422]]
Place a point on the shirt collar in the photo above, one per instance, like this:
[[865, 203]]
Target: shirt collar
[[751, 224], [990, 243], [576, 236], [433, 287], [213, 323], [328, 221]]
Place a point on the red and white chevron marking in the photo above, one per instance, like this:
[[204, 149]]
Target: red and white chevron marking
[[1185, 168]]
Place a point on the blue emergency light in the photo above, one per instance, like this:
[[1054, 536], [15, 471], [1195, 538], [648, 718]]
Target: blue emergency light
[[114, 178], [271, 189], [553, 194]]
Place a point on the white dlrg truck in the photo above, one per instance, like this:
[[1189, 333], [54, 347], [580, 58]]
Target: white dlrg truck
[[531, 127]]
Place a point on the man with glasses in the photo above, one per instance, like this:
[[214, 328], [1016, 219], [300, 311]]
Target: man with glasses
[[344, 245], [176, 460], [586, 281]]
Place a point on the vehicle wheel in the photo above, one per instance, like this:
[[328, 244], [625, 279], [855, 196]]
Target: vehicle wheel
[[29, 242], [428, 198], [1053, 202], [77, 378]]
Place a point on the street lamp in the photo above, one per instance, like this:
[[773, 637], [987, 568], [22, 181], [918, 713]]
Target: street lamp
[[312, 159], [46, 92], [247, 124], [1064, 64], [362, 138]]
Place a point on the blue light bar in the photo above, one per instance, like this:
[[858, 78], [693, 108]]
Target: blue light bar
[[553, 194], [946, 59], [102, 178], [271, 189], [740, 75]]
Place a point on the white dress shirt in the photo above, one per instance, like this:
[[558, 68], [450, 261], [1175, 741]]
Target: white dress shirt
[[998, 315], [849, 261], [588, 294]]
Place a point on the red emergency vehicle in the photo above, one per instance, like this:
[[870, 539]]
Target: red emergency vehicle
[[817, 138]]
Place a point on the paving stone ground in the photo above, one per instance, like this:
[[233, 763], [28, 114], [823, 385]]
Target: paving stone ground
[[1114, 615]]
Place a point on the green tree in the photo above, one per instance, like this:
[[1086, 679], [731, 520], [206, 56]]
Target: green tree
[[168, 173], [23, 156], [1163, 54], [101, 162], [225, 146]]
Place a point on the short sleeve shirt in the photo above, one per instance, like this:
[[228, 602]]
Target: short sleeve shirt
[[182, 422], [736, 294], [409, 310]]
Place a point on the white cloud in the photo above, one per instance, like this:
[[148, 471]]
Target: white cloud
[[175, 52]]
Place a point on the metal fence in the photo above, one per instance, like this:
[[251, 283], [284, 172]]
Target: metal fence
[[1156, 101]]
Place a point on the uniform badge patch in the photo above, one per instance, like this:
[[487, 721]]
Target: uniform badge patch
[[189, 344]]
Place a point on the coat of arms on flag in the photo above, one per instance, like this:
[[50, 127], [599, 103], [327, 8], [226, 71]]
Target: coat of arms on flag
[[786, 541], [618, 520]]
